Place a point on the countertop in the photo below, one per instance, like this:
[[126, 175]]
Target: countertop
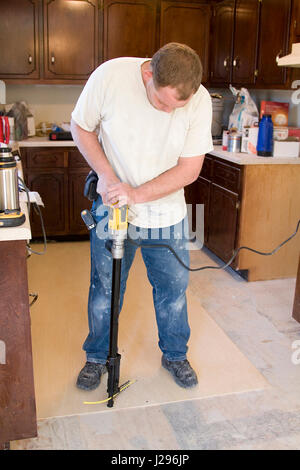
[[22, 232], [239, 158], [248, 159], [45, 142]]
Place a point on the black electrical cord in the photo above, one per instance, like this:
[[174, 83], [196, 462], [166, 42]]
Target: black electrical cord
[[37, 211], [35, 297], [163, 245]]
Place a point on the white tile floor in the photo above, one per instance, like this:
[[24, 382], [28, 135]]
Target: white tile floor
[[257, 318]]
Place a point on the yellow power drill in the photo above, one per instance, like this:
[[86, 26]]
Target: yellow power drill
[[117, 229]]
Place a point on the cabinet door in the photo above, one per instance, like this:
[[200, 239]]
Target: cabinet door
[[222, 221], [222, 42], [245, 41], [187, 23], [70, 39], [198, 193], [274, 33], [19, 39], [77, 201], [129, 28], [51, 184], [296, 24], [203, 197]]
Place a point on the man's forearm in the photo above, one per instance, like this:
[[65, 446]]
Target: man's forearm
[[163, 185], [168, 182], [89, 146], [184, 173]]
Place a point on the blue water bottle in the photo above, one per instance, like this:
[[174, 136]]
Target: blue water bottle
[[265, 137]]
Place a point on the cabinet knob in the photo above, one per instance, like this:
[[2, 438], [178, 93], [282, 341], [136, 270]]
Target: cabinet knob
[[30, 59], [52, 59]]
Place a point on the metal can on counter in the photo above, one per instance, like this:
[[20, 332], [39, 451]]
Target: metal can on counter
[[234, 143]]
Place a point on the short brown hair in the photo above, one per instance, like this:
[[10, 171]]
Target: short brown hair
[[178, 66]]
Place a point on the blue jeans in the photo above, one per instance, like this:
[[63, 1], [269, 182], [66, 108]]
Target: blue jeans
[[169, 280]]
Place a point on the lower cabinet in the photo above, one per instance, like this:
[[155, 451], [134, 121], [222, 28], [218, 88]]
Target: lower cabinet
[[51, 184], [218, 187], [58, 174], [77, 201], [250, 205]]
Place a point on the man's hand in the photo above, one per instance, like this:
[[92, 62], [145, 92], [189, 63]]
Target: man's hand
[[120, 194], [104, 183]]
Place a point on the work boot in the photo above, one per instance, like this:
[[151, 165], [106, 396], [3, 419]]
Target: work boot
[[182, 372], [90, 376]]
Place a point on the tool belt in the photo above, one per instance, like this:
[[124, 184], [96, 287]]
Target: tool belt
[[90, 187]]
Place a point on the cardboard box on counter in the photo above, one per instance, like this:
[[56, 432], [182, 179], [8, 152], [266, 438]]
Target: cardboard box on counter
[[286, 148], [249, 140], [279, 112], [294, 132]]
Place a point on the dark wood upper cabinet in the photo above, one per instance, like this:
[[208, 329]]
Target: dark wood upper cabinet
[[70, 38], [129, 28], [19, 39], [188, 23], [234, 42], [63, 41], [222, 42], [245, 41], [273, 41]]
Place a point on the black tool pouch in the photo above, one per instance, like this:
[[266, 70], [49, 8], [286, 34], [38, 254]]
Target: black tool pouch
[[90, 187]]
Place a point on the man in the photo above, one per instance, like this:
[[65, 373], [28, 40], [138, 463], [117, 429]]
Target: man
[[154, 123]]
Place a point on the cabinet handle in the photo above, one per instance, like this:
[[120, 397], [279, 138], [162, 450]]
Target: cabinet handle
[[30, 59], [226, 62], [52, 59], [235, 62], [278, 56]]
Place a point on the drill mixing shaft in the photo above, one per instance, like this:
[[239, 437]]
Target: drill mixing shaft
[[117, 229]]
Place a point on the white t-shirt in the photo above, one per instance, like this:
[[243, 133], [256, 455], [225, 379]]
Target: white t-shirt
[[139, 141]]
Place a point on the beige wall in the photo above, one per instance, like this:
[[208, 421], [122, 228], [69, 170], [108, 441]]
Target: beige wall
[[54, 103], [49, 103]]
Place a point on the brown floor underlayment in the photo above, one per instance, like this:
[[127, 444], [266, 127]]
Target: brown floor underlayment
[[59, 327]]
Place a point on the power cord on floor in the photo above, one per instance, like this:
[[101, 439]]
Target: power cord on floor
[[35, 297], [165, 245]]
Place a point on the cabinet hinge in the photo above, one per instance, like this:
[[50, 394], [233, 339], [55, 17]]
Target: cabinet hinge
[[238, 205], [256, 73]]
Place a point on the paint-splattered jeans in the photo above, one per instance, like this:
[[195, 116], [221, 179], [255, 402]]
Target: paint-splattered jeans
[[167, 276]]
